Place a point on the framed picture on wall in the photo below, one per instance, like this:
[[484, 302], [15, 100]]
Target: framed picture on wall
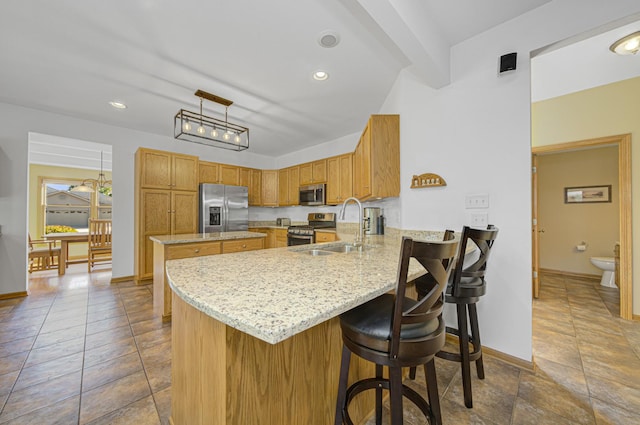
[[587, 194]]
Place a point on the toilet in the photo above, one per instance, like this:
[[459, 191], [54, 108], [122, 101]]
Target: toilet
[[608, 265]]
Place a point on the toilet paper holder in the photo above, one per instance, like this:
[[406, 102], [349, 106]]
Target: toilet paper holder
[[581, 246]]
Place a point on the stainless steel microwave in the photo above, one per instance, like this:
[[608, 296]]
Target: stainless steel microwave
[[313, 194]]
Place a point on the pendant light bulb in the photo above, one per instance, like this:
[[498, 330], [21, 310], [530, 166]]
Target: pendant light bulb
[[236, 138], [226, 135], [214, 133], [201, 130], [186, 127]]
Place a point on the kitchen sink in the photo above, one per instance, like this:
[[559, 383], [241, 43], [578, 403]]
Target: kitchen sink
[[316, 252], [343, 248]]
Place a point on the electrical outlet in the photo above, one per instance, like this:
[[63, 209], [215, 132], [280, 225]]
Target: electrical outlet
[[479, 220], [480, 200]]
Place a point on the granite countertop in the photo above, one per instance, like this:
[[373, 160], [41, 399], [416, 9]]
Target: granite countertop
[[269, 226], [273, 294], [204, 237]]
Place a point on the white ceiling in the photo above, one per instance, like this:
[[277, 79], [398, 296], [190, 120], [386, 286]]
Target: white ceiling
[[73, 57]]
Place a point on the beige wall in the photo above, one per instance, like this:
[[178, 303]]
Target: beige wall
[[567, 225], [36, 171], [603, 111]]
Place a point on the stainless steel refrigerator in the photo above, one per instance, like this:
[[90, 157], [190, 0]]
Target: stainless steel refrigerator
[[223, 208]]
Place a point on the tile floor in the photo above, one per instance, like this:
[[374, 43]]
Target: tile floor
[[80, 350]]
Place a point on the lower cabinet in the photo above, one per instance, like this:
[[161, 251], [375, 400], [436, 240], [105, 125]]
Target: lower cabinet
[[276, 238], [325, 236], [163, 252]]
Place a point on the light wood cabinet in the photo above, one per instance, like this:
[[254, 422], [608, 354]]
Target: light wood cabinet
[[280, 238], [166, 170], [166, 202], [270, 240], [255, 187], [339, 178], [313, 172], [323, 236], [269, 188], [376, 162], [288, 186], [229, 174], [242, 245], [209, 172]]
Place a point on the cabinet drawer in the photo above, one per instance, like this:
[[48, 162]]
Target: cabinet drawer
[[187, 250], [241, 245], [325, 237]]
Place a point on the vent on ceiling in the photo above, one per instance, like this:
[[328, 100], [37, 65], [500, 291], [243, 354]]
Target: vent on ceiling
[[329, 39]]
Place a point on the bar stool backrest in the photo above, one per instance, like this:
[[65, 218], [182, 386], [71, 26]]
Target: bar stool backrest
[[473, 274]]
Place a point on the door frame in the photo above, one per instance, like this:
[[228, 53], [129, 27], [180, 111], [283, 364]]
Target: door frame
[[623, 142]]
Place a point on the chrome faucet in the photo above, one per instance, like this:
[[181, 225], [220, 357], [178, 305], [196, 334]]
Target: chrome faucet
[[360, 238]]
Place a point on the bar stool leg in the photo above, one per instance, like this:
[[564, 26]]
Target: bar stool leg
[[432, 390], [463, 336], [395, 394], [379, 370], [342, 384], [475, 339]]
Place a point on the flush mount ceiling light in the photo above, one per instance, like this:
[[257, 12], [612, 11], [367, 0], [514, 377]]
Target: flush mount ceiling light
[[118, 105], [628, 45], [320, 75], [88, 185], [199, 128]]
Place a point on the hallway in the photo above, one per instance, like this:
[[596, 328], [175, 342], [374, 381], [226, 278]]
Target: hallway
[[80, 350]]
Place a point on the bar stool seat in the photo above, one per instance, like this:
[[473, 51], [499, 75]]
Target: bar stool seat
[[396, 331]]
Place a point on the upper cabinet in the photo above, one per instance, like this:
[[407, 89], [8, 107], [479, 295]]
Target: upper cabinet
[[288, 186], [269, 190], [209, 172], [339, 178], [252, 178], [313, 172], [376, 161], [229, 174], [166, 170]]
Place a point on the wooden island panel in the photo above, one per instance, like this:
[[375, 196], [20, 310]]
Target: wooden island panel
[[226, 376]]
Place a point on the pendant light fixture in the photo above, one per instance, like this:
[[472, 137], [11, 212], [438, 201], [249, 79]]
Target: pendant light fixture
[[629, 45], [88, 184], [199, 128]]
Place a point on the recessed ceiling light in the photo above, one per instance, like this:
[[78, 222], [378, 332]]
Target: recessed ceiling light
[[328, 39], [320, 75], [629, 45], [117, 105]]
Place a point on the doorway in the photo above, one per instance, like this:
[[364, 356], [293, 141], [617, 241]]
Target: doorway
[[623, 143]]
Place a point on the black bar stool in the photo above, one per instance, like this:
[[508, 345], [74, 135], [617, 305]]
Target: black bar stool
[[466, 285], [396, 331]]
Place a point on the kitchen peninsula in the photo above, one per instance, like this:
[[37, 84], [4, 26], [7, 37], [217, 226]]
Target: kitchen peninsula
[[256, 337]]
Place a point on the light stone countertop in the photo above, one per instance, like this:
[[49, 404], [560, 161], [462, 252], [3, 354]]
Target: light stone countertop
[[204, 237], [273, 294]]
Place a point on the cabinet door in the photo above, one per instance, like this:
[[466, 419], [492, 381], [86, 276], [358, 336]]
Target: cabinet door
[[184, 212], [280, 238], [209, 172], [294, 186], [155, 169], [255, 187], [244, 178], [319, 171], [333, 182], [185, 172], [229, 174], [283, 187], [269, 188], [362, 166], [306, 173], [155, 219], [346, 177]]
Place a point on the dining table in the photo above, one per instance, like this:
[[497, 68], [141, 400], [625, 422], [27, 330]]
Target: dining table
[[65, 239]]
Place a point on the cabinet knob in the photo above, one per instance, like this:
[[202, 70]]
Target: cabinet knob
[[244, 245], [196, 250]]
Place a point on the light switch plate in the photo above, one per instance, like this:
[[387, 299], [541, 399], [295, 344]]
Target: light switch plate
[[479, 200], [479, 220]]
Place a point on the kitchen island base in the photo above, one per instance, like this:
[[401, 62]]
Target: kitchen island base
[[221, 375]]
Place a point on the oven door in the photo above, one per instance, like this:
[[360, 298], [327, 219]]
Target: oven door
[[293, 240]]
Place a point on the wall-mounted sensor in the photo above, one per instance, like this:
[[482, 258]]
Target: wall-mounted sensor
[[508, 62]]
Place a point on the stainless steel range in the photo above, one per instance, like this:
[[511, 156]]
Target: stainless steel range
[[304, 234]]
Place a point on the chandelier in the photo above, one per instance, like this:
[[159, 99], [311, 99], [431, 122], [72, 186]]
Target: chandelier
[[88, 184], [199, 128]]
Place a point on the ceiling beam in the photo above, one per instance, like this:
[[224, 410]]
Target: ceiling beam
[[412, 31]]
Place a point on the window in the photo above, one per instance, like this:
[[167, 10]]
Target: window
[[67, 211]]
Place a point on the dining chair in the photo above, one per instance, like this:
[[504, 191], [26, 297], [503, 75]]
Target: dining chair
[[44, 255], [99, 250], [397, 331]]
